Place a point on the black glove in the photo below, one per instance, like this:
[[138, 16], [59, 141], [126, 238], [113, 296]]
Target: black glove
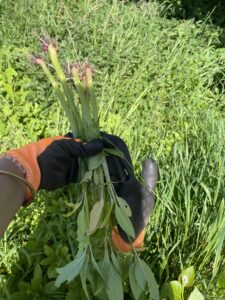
[[138, 196], [58, 163]]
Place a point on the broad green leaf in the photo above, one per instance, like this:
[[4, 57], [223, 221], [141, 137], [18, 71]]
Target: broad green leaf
[[196, 295], [71, 270], [115, 152], [95, 161], [95, 216], [175, 290], [135, 288], [87, 177], [114, 284], [143, 270], [187, 277], [37, 278], [124, 206], [124, 221]]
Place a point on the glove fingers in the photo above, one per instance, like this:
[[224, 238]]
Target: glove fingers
[[75, 149], [93, 147], [150, 173], [113, 141]]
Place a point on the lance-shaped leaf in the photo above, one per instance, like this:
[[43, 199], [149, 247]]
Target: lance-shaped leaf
[[71, 270], [135, 288], [124, 221], [96, 267], [95, 216], [83, 278], [114, 284], [81, 222], [144, 274], [116, 262], [124, 206]]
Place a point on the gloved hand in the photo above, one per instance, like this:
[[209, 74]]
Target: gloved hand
[[139, 196], [52, 162]]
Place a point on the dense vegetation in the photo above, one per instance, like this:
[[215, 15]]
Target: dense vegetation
[[160, 86]]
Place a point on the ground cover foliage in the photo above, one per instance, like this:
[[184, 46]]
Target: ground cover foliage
[[160, 86]]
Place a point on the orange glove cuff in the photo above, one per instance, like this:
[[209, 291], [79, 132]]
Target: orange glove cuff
[[27, 158], [122, 246]]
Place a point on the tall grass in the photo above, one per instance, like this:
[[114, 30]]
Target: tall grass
[[188, 225]]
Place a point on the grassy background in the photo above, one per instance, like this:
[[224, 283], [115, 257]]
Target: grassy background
[[160, 85]]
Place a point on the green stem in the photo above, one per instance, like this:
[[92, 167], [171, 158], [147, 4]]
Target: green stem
[[92, 96], [86, 115], [59, 94], [67, 90]]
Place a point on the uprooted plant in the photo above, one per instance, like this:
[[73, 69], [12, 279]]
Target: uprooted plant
[[99, 209]]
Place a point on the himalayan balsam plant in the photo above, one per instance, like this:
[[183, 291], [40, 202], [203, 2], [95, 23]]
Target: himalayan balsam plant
[[101, 268]]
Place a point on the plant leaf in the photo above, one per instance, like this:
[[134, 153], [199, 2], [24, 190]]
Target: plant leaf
[[95, 161], [116, 262], [81, 223], [124, 221], [95, 265], [142, 270], [71, 270], [114, 285], [95, 216], [124, 206], [115, 152], [187, 277], [37, 278], [135, 288], [104, 266], [196, 295], [83, 278], [175, 290]]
